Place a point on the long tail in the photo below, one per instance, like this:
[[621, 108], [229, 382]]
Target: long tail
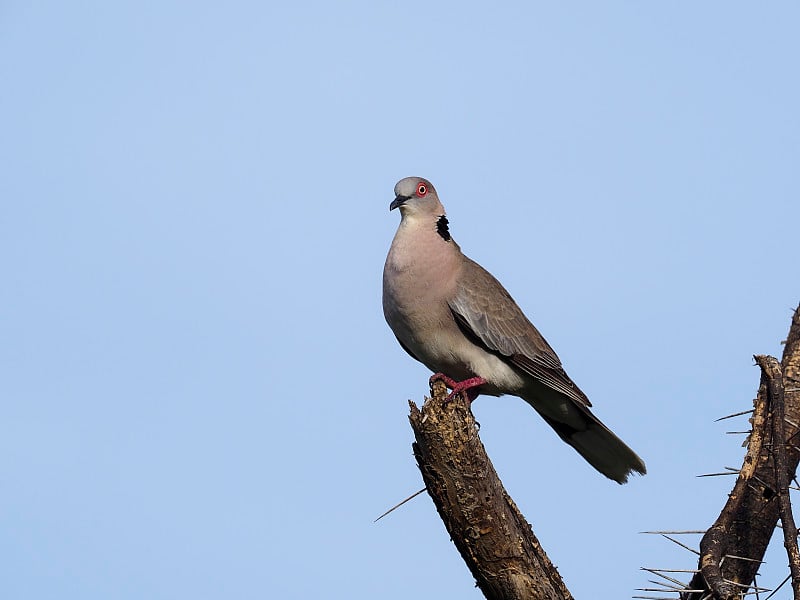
[[576, 425], [601, 448]]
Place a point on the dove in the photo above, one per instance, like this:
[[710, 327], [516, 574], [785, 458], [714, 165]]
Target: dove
[[454, 317]]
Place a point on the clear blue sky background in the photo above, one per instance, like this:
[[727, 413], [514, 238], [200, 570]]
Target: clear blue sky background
[[199, 395]]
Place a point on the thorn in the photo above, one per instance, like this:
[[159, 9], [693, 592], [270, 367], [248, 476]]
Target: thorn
[[748, 432], [676, 532], [764, 483], [664, 587], [788, 577], [411, 497], [717, 474], [668, 588], [672, 579], [673, 540], [744, 558], [744, 412], [744, 585], [659, 571]]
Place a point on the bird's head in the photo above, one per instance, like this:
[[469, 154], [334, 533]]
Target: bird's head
[[415, 196]]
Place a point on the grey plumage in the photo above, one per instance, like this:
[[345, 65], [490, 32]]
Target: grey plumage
[[452, 315]]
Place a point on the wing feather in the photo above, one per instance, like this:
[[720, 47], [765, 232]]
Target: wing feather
[[487, 314]]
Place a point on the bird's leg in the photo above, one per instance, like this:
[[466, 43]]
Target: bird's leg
[[468, 386]]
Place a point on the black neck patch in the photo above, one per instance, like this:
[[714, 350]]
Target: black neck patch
[[442, 229]]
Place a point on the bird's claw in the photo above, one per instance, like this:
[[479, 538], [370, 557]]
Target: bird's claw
[[467, 386]]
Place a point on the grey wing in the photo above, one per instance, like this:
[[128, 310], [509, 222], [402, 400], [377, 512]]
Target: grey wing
[[487, 314]]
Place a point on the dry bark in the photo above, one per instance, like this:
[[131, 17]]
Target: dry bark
[[731, 550], [493, 537], [773, 376]]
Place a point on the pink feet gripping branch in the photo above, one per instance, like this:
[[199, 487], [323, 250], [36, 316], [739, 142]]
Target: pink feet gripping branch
[[457, 387]]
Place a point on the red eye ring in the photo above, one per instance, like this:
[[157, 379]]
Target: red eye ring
[[422, 189]]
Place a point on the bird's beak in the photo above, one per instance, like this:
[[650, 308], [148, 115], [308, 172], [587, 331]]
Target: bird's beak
[[398, 201]]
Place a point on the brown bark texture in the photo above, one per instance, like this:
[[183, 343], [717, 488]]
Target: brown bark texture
[[493, 537], [732, 548]]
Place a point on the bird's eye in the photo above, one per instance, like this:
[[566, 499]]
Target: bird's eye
[[422, 189]]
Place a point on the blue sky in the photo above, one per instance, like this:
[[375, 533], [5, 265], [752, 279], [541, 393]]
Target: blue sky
[[200, 397]]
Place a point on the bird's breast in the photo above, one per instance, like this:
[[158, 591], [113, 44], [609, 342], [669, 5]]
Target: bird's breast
[[418, 279]]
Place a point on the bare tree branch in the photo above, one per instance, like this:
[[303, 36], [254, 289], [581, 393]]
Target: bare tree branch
[[773, 378], [493, 537], [751, 512]]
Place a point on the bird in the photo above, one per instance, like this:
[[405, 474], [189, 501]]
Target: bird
[[453, 316]]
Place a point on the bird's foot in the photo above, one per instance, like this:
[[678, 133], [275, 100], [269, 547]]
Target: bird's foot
[[467, 387]]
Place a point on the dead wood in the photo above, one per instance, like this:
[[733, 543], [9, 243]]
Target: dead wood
[[493, 537], [732, 548]]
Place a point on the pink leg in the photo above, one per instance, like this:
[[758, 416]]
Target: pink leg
[[468, 386]]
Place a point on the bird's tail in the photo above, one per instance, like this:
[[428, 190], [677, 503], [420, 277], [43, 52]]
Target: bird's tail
[[599, 446]]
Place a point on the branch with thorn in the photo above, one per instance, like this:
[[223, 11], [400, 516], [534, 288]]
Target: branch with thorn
[[492, 536], [732, 548]]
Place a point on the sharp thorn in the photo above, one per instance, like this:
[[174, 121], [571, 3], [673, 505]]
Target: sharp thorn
[[672, 579], [396, 506], [762, 482], [775, 591], [670, 589], [744, 585], [659, 571], [674, 541], [744, 558], [744, 412], [679, 587], [676, 532]]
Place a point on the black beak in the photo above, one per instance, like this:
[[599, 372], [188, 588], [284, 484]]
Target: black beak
[[398, 201]]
